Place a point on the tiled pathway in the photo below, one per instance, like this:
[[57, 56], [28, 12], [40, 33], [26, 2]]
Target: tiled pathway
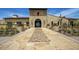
[[40, 39], [38, 36]]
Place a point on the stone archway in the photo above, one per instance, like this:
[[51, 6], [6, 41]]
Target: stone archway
[[38, 23]]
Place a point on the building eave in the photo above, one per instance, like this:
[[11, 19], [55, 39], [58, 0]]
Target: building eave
[[16, 18]]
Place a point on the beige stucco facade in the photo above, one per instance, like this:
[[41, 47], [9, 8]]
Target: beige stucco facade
[[43, 20], [37, 15]]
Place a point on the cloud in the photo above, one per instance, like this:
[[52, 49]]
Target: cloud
[[10, 14], [20, 15], [68, 12]]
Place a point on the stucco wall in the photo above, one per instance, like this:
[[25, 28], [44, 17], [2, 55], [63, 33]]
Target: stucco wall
[[42, 18]]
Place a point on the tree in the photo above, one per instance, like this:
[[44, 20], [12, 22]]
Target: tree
[[71, 24]]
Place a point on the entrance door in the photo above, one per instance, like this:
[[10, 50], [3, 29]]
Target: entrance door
[[37, 23]]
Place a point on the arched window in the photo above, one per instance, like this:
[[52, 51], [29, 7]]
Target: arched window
[[58, 22], [38, 23], [37, 13], [52, 23]]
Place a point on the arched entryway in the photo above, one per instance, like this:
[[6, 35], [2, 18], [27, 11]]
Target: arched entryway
[[38, 23]]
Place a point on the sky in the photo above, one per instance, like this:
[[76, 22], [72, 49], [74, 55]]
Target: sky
[[24, 12]]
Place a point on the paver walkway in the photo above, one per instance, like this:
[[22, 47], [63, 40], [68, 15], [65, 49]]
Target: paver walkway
[[40, 39], [38, 36]]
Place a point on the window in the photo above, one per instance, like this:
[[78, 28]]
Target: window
[[37, 13], [27, 23], [19, 23], [52, 23], [58, 22]]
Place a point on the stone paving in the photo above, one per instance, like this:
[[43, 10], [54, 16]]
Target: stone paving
[[39, 39], [39, 36]]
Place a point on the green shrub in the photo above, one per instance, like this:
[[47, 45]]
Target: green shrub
[[68, 31], [74, 31]]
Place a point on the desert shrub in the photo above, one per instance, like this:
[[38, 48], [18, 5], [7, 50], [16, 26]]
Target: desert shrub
[[74, 31], [17, 31], [12, 32], [68, 31], [1, 32], [6, 32]]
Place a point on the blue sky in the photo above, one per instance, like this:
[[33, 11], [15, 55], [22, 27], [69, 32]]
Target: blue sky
[[24, 12]]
